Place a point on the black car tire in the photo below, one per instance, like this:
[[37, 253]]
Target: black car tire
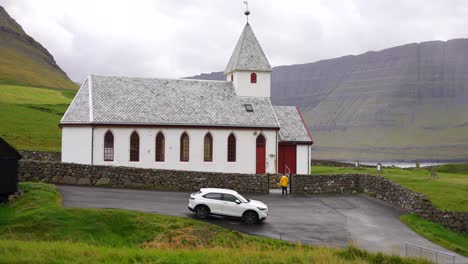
[[250, 217], [202, 211]]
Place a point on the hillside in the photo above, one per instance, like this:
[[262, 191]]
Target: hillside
[[407, 102], [24, 61]]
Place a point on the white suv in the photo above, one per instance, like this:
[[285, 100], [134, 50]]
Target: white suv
[[225, 202]]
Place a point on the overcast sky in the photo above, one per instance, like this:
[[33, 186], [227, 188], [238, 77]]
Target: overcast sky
[[175, 38]]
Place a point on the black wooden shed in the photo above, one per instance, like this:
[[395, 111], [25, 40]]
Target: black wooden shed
[[9, 158]]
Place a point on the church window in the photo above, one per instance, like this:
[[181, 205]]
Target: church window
[[231, 148], [253, 78], [108, 146], [134, 147], [184, 147], [160, 142], [208, 148]]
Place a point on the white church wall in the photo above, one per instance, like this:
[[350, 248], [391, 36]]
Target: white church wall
[[245, 88], [245, 148], [76, 144], [303, 159]]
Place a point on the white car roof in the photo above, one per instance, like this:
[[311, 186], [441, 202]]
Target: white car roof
[[218, 190]]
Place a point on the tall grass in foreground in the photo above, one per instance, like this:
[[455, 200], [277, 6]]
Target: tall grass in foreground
[[67, 252]]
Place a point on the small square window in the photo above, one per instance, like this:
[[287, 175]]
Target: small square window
[[248, 108]]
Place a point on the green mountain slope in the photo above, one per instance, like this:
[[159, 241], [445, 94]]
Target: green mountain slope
[[29, 116], [24, 61]]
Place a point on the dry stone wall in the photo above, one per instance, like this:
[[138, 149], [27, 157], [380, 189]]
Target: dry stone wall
[[137, 178], [46, 170], [41, 156]]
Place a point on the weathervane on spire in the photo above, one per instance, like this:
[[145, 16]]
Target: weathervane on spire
[[247, 12]]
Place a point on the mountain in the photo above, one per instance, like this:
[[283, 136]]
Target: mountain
[[404, 103], [25, 61]]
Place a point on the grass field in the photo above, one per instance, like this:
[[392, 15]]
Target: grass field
[[438, 234], [37, 229], [449, 191], [30, 116]]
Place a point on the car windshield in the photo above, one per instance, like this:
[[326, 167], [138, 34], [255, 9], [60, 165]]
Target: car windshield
[[242, 198]]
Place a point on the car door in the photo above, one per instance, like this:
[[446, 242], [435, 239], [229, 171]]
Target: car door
[[230, 207], [214, 202]]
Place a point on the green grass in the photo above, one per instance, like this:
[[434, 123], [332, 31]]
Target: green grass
[[14, 251], [30, 116], [436, 233], [449, 191], [37, 229], [20, 63]]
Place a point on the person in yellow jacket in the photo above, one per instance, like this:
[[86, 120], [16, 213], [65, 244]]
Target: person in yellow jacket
[[284, 184]]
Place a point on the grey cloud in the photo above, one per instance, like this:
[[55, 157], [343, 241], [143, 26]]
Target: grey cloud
[[185, 37]]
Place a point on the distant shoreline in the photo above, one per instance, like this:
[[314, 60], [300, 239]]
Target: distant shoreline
[[386, 163]]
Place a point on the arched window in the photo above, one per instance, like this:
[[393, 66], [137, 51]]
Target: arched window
[[208, 148], [232, 77], [160, 142], [108, 146], [231, 153], [184, 147], [253, 78], [134, 147]]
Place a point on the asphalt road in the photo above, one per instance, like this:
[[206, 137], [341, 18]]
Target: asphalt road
[[318, 220]]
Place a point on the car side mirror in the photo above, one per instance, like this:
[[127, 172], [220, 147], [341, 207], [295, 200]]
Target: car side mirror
[[238, 202]]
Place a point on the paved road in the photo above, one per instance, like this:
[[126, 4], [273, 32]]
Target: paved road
[[319, 220]]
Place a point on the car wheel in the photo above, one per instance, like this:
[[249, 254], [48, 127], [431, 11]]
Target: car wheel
[[202, 211], [250, 217]]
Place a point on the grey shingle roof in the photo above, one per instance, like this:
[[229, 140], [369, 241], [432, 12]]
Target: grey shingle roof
[[292, 126], [78, 111], [143, 101], [248, 54]]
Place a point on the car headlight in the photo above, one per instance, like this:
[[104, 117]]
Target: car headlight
[[261, 208]]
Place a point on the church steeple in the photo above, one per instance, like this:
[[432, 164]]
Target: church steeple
[[248, 68], [248, 54]]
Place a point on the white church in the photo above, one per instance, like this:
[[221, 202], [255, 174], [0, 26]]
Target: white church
[[196, 125]]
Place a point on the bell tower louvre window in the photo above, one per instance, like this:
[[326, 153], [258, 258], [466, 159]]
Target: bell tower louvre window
[[253, 78]]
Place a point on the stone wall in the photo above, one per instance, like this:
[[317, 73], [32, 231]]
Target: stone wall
[[324, 184], [126, 177], [382, 189], [41, 155]]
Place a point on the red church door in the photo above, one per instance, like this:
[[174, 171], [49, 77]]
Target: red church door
[[261, 154], [287, 157]]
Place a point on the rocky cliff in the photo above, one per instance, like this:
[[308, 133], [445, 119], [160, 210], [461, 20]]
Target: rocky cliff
[[406, 102]]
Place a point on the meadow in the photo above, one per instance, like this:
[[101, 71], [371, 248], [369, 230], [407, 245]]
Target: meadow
[[30, 116]]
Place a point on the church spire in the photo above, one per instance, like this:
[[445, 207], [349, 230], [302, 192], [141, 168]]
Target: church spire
[[248, 54]]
